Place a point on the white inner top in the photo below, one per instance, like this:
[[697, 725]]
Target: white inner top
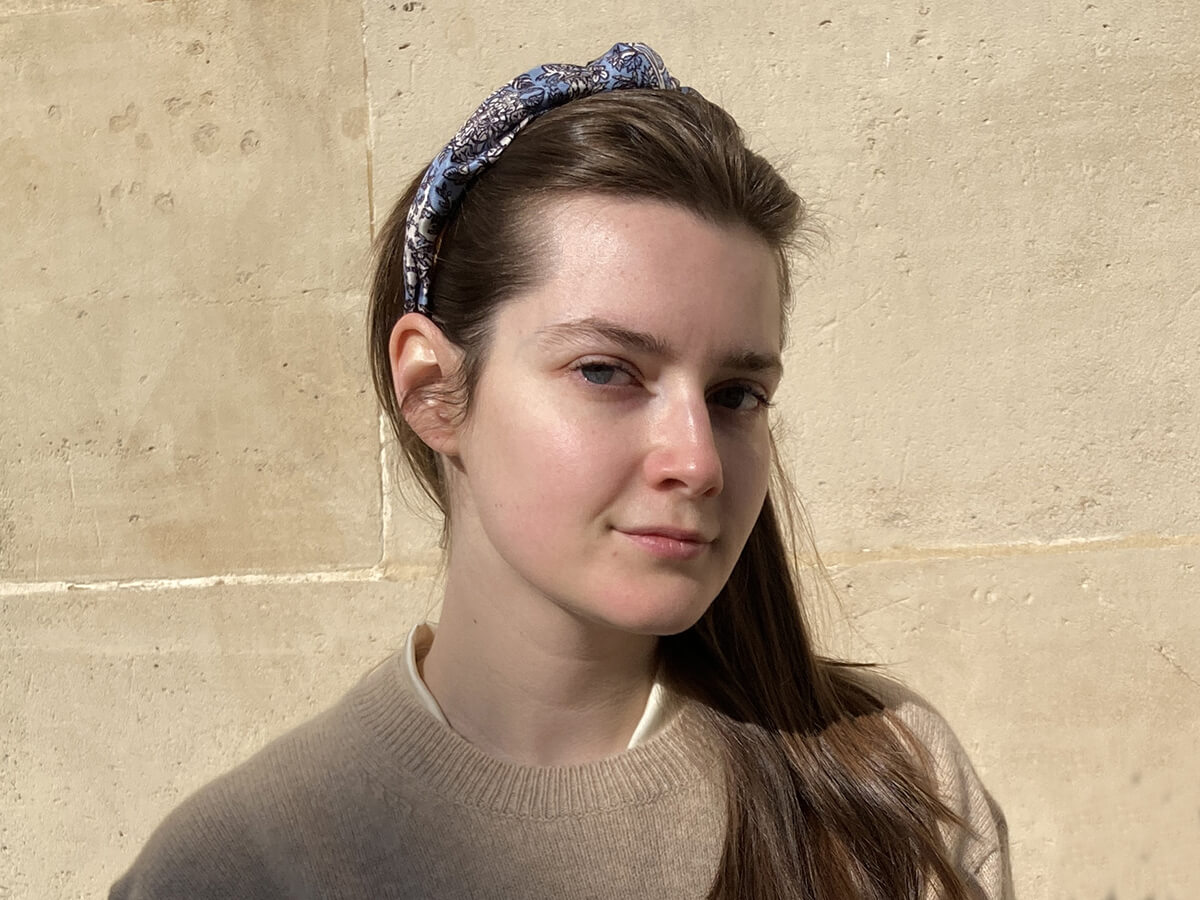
[[420, 639]]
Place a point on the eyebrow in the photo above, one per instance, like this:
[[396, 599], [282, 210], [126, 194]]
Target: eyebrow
[[580, 331]]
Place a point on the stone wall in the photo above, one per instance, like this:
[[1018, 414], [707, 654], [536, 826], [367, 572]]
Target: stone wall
[[991, 409]]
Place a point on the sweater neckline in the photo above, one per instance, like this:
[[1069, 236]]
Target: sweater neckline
[[420, 639], [408, 747]]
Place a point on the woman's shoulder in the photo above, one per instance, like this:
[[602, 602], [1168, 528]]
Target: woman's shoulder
[[921, 717], [980, 847], [243, 833]]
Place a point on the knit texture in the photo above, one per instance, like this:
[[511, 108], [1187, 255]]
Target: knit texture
[[375, 798]]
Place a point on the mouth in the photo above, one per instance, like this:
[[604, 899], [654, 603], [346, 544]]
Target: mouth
[[668, 543]]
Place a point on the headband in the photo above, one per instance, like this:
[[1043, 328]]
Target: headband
[[491, 128]]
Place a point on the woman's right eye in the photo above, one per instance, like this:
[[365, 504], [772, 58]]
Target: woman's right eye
[[605, 374]]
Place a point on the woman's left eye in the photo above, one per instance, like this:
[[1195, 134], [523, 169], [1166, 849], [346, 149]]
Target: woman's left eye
[[739, 398]]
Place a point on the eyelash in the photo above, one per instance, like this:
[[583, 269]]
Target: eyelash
[[584, 366]]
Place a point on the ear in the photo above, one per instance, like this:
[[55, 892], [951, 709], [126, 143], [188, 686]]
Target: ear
[[423, 360]]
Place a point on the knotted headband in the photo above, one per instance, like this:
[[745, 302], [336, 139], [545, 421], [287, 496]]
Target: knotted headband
[[492, 127]]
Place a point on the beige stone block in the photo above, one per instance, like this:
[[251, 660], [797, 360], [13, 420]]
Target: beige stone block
[[186, 438], [1072, 679], [996, 346], [196, 150], [118, 704], [185, 390]]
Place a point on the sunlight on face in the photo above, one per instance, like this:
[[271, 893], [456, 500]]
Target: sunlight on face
[[617, 451]]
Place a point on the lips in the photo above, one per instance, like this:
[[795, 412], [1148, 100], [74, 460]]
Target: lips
[[666, 543], [675, 534]]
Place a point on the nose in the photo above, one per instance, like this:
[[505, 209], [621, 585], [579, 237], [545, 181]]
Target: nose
[[684, 452]]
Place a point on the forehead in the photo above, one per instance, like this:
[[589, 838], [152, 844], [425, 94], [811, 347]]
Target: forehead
[[657, 268]]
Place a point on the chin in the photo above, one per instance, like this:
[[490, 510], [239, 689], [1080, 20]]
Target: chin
[[654, 616]]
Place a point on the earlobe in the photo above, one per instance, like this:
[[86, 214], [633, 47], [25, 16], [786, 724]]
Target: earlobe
[[423, 362]]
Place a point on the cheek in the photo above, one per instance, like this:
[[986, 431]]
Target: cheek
[[747, 469], [542, 467]]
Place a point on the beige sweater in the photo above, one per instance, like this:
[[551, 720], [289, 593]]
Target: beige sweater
[[377, 799]]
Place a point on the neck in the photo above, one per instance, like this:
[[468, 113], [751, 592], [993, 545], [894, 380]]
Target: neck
[[527, 681]]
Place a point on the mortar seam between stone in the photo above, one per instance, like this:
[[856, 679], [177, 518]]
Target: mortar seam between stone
[[386, 490], [846, 559], [396, 572], [370, 142], [333, 576], [71, 10], [385, 503]]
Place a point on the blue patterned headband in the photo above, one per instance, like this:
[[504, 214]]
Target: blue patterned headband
[[479, 142]]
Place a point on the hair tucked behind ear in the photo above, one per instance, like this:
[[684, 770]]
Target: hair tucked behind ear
[[829, 795]]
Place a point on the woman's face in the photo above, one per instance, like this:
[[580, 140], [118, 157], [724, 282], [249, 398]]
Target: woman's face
[[616, 454]]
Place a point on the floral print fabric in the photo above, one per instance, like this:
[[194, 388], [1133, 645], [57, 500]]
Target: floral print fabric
[[490, 129]]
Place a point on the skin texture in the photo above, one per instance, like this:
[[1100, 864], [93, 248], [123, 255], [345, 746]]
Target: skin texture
[[612, 465]]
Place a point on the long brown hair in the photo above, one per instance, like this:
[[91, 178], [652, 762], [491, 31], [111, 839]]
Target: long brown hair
[[829, 796]]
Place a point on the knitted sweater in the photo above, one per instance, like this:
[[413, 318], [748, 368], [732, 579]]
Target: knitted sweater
[[375, 798]]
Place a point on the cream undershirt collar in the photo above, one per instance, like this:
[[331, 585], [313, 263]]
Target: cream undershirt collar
[[417, 645]]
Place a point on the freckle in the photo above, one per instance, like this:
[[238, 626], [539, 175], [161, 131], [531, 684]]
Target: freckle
[[53, 113], [164, 202], [250, 142]]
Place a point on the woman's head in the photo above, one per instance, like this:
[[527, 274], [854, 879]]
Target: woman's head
[[667, 146]]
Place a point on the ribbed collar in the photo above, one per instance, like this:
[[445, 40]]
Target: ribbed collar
[[406, 744]]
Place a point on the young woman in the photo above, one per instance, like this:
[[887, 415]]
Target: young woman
[[577, 324]]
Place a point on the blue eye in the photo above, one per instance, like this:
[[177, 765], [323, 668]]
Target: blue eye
[[597, 373], [739, 398], [604, 374]]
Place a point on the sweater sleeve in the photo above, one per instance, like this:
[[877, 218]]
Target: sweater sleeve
[[980, 849], [204, 850]]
